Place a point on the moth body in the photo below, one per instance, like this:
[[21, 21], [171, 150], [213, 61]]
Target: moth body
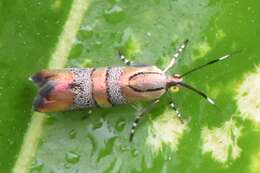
[[77, 88]]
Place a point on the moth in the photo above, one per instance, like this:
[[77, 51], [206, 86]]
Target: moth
[[78, 88]]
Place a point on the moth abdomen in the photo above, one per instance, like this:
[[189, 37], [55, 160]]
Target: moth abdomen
[[54, 93], [77, 88]]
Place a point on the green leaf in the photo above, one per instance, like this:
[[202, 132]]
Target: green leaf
[[28, 34], [89, 33]]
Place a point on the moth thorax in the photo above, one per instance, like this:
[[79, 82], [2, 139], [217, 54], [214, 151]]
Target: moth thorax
[[148, 81]]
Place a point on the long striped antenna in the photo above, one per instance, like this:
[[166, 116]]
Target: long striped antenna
[[209, 63], [197, 91], [204, 65]]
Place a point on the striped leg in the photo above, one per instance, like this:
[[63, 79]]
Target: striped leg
[[141, 115], [176, 55], [124, 59], [173, 106]]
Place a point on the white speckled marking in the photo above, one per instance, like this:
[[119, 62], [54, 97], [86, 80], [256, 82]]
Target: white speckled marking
[[248, 97], [222, 142], [113, 86], [167, 129], [82, 88]]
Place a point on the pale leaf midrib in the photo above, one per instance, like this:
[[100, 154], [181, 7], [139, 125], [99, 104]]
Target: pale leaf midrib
[[58, 60]]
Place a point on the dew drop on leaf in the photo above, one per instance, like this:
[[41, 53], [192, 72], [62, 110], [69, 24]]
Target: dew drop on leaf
[[92, 142], [51, 120], [120, 125], [124, 148], [72, 157], [85, 32], [135, 152], [114, 14], [76, 50], [72, 133], [97, 125]]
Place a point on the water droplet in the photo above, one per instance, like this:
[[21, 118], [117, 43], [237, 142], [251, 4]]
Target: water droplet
[[135, 152], [51, 120], [72, 133], [85, 32], [90, 112], [11, 142], [72, 157], [97, 125], [108, 149], [76, 50], [67, 165], [148, 34], [120, 125], [111, 167], [125, 147], [114, 14], [92, 142]]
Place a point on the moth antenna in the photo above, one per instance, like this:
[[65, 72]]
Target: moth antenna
[[209, 63], [209, 100]]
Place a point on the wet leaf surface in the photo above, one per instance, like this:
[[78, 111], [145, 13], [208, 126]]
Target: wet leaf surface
[[222, 139]]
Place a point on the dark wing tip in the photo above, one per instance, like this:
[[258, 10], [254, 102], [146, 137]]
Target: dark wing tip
[[41, 77], [38, 79], [38, 103]]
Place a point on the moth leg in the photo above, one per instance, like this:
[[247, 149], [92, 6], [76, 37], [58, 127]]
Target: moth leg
[[128, 62], [124, 59], [175, 57], [141, 115], [174, 107]]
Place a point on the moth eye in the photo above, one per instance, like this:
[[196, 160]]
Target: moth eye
[[174, 89]]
